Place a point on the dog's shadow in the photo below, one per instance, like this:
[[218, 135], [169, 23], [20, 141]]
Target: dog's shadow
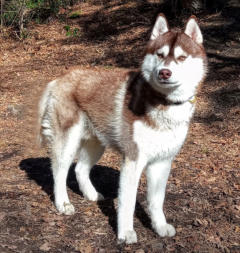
[[104, 179]]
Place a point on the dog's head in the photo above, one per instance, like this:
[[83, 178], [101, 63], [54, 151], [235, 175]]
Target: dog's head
[[174, 59]]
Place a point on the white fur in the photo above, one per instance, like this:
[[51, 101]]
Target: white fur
[[164, 50], [193, 31], [45, 108], [157, 176], [116, 122], [64, 153], [89, 154], [129, 179], [159, 28], [161, 143], [156, 146], [178, 51], [184, 80], [64, 149]]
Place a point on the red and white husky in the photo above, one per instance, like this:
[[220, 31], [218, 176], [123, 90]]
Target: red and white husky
[[143, 114]]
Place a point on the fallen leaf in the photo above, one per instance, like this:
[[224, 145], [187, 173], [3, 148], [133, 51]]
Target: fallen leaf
[[2, 216], [45, 247]]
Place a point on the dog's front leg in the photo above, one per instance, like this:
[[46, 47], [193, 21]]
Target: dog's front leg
[[157, 176], [129, 179]]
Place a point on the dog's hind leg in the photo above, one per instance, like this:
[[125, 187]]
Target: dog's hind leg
[[64, 148], [90, 152]]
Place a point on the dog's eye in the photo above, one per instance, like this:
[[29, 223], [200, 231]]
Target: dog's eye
[[182, 58], [160, 55]]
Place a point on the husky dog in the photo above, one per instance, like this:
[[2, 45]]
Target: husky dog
[[144, 114]]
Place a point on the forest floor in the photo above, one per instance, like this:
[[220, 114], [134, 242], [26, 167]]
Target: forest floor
[[203, 193]]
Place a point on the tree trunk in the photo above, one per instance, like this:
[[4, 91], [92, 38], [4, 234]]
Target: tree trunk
[[2, 4], [21, 18]]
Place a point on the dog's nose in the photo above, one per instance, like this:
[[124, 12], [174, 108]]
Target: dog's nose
[[165, 74]]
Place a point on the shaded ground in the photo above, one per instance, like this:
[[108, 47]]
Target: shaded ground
[[203, 192]]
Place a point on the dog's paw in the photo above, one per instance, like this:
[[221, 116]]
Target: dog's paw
[[128, 237], [165, 230], [66, 208], [94, 196]]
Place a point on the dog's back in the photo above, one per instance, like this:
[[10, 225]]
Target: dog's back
[[89, 93]]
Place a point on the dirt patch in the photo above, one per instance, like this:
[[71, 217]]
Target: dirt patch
[[203, 191]]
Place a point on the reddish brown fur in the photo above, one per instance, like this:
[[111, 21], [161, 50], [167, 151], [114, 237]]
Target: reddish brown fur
[[104, 83], [89, 90], [173, 39], [94, 100]]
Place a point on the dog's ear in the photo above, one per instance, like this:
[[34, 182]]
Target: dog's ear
[[160, 27], [192, 30]]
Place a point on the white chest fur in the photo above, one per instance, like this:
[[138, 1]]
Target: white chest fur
[[165, 140]]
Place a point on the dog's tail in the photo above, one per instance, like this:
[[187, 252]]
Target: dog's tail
[[44, 126]]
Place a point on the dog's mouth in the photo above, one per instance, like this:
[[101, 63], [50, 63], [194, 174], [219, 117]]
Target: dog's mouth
[[168, 83]]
